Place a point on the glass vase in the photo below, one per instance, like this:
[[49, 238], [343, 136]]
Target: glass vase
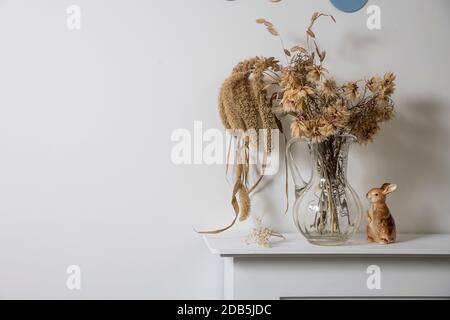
[[327, 210]]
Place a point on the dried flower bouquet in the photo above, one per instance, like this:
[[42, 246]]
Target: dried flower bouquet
[[317, 107]]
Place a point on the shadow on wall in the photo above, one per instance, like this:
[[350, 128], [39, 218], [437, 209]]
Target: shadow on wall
[[413, 152], [354, 43]]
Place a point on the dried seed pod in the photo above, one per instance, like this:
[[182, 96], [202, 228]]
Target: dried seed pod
[[243, 104], [243, 101], [244, 203]]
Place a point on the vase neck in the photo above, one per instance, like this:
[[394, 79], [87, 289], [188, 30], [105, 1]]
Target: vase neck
[[330, 157]]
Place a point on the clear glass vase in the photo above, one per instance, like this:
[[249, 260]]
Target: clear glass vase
[[327, 210]]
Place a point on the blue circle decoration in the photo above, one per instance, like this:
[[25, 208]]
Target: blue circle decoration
[[349, 5]]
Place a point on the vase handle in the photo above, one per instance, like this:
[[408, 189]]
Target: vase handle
[[299, 181]]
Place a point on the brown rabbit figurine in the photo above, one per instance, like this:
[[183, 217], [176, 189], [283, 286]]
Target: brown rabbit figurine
[[381, 225]]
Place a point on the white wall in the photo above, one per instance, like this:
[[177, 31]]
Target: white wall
[[86, 118]]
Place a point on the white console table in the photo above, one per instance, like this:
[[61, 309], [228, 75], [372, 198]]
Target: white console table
[[417, 266]]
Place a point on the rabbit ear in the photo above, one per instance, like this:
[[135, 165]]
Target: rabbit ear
[[388, 188]]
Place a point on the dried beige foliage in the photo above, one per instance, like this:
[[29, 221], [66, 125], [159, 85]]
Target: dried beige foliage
[[244, 105], [321, 109], [261, 235], [243, 101]]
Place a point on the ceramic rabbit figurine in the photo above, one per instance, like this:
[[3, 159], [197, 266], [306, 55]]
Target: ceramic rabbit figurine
[[381, 225]]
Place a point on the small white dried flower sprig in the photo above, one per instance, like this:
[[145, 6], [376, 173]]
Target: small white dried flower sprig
[[261, 235]]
